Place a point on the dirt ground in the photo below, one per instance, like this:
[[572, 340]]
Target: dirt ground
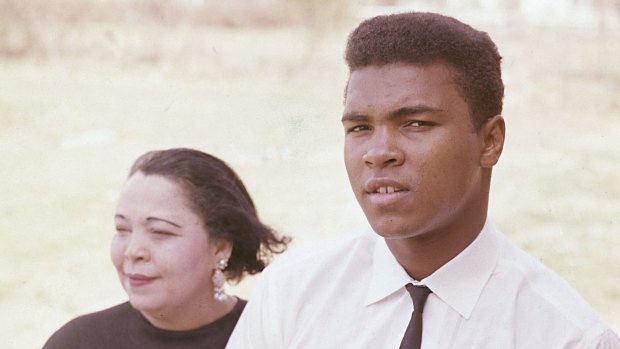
[[269, 101]]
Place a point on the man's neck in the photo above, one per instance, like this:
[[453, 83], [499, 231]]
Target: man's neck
[[422, 255]]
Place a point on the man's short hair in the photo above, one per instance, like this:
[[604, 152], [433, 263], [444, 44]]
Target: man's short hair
[[424, 38]]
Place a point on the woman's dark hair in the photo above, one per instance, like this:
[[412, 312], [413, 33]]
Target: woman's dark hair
[[221, 199], [420, 38]]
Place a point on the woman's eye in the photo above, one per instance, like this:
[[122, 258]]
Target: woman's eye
[[162, 233]]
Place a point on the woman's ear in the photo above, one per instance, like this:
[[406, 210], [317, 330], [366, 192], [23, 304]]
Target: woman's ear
[[492, 136], [223, 248]]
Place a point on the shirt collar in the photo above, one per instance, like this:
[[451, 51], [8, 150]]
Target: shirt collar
[[458, 283], [387, 275]]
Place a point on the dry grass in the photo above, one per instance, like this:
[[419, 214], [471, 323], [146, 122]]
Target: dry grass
[[45, 29], [268, 101]]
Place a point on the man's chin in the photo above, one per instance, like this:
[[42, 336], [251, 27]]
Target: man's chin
[[391, 231]]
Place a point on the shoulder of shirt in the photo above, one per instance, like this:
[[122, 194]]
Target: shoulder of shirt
[[549, 288], [109, 314], [328, 253], [88, 325]]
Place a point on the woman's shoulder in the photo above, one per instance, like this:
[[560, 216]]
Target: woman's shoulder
[[123, 327], [92, 330]]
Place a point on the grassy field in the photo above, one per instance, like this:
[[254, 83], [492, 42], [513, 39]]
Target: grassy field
[[269, 101]]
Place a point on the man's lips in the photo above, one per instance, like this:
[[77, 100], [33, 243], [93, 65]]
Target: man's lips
[[384, 186], [139, 279], [384, 192]]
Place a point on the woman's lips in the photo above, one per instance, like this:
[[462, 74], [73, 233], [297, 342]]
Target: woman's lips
[[137, 280]]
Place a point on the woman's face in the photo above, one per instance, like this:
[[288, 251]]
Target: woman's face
[[161, 249]]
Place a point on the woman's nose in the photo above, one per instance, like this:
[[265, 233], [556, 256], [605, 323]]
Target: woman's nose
[[137, 247]]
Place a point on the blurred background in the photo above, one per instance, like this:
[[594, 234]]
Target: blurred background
[[87, 86]]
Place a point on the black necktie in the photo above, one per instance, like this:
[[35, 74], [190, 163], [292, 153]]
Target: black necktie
[[413, 335]]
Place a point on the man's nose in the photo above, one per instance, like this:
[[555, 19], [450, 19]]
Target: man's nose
[[383, 150]]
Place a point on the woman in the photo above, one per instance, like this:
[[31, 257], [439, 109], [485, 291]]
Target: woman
[[185, 224]]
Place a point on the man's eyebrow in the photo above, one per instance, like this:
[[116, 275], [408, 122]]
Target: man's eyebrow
[[416, 109], [398, 113], [163, 220], [354, 116]]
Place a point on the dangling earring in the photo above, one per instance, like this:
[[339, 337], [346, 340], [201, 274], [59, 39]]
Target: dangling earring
[[219, 280]]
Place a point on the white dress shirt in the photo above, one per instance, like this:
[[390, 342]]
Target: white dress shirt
[[350, 294]]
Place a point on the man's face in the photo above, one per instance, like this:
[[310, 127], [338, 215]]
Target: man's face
[[411, 152]]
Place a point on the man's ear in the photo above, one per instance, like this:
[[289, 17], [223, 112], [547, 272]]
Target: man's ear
[[492, 135]]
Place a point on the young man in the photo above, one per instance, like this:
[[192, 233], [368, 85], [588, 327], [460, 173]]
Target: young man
[[423, 130]]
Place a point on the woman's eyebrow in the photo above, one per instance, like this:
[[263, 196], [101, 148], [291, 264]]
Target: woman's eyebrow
[[163, 220]]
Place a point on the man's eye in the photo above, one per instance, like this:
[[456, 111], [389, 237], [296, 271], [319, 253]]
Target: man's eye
[[358, 128], [418, 123]]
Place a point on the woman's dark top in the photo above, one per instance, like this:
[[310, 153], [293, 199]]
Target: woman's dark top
[[123, 327]]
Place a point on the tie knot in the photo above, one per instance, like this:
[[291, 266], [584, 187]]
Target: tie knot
[[418, 296]]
